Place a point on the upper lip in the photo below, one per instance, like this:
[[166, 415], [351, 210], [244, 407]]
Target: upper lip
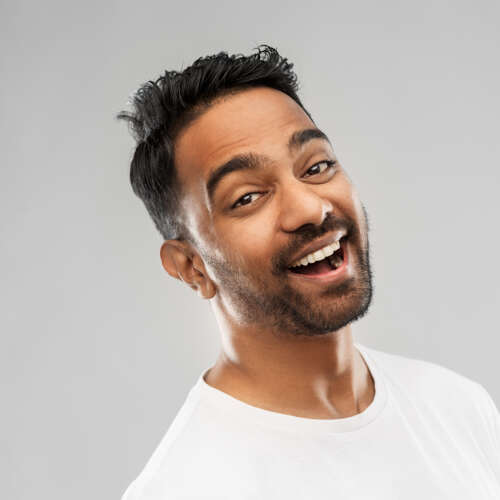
[[317, 244]]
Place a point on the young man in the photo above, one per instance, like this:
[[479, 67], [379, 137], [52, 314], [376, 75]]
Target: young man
[[259, 216]]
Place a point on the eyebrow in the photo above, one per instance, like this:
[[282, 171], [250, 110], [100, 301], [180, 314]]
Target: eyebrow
[[253, 161]]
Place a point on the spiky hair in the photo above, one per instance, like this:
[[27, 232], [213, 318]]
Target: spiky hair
[[162, 108]]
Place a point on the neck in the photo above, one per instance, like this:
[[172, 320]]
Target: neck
[[313, 377]]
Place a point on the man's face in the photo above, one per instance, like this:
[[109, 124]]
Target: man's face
[[254, 221]]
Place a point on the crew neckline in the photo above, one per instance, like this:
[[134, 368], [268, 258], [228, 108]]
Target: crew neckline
[[243, 411]]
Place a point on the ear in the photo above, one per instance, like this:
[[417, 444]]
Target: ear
[[181, 262]]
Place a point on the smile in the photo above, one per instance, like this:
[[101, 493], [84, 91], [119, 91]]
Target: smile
[[330, 268]]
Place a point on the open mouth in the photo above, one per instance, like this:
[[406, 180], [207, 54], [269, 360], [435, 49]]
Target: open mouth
[[325, 266]]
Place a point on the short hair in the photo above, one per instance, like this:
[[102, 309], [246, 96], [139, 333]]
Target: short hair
[[162, 108]]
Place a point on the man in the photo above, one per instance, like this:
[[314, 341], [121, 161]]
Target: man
[[259, 216]]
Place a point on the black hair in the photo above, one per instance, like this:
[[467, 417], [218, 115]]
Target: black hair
[[161, 108]]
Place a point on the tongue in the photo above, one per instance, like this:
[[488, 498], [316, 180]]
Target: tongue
[[320, 267]]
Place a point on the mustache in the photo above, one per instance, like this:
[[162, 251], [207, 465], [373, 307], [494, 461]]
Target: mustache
[[307, 233]]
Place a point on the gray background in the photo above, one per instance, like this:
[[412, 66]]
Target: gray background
[[99, 345]]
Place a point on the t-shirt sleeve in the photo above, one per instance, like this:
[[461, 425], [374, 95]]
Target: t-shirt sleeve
[[491, 417], [130, 493]]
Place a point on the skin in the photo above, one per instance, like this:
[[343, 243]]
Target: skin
[[287, 344]]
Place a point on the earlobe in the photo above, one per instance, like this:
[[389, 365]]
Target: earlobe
[[205, 285], [176, 260]]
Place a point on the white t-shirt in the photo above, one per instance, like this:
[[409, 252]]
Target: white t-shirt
[[429, 433]]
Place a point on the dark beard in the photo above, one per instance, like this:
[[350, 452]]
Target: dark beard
[[286, 311]]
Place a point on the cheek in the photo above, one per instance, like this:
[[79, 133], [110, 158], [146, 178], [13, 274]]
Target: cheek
[[249, 240], [358, 211], [343, 185]]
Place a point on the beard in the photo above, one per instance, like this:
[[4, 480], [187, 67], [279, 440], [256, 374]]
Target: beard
[[275, 305]]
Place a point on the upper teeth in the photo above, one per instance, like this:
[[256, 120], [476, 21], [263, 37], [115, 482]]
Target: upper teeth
[[317, 255]]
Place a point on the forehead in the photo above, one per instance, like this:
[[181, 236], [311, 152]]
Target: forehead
[[259, 120]]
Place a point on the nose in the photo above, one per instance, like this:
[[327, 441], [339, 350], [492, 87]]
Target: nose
[[301, 203]]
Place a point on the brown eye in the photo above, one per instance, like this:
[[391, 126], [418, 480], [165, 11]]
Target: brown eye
[[245, 196], [329, 164]]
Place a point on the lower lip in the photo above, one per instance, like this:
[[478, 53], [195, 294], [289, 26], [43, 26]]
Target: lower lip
[[334, 275]]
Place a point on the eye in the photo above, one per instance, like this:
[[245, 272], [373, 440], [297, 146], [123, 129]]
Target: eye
[[245, 196], [329, 164]]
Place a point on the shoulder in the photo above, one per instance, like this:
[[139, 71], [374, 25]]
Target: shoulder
[[191, 458], [415, 375], [439, 392]]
